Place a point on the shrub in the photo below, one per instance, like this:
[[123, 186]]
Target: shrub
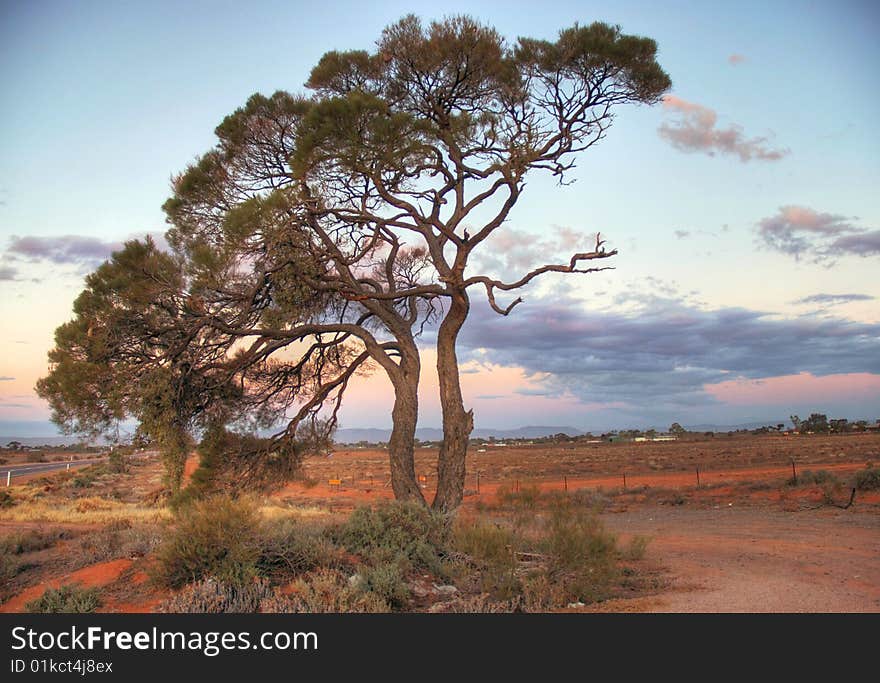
[[868, 479], [117, 463], [402, 532], [322, 591], [526, 497], [6, 499], [810, 478], [386, 581], [68, 599], [287, 548], [22, 542], [493, 547], [581, 554], [210, 596], [118, 539], [635, 549], [214, 537]]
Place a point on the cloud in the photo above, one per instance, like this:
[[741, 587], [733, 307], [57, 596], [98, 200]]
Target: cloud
[[658, 357], [799, 231], [735, 60], [489, 397], [7, 379], [62, 250], [80, 250], [696, 131], [510, 254], [832, 299], [8, 273], [681, 234]]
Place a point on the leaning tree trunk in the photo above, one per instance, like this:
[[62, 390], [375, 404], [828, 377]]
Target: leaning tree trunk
[[457, 422], [401, 445]]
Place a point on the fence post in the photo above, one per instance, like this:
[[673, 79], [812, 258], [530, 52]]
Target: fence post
[[698, 476], [624, 481], [478, 482], [565, 483], [8, 478], [793, 473]]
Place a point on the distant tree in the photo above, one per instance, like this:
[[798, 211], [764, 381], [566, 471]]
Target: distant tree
[[796, 422], [817, 423], [676, 429], [14, 446], [780, 427]]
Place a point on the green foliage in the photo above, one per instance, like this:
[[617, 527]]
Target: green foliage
[[386, 581], [68, 599], [810, 478], [493, 549], [868, 479], [581, 553], [214, 537], [287, 549], [7, 500], [117, 463], [396, 532]]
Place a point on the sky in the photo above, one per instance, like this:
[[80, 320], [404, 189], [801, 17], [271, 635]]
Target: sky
[[744, 207]]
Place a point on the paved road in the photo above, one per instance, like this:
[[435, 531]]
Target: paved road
[[27, 469]]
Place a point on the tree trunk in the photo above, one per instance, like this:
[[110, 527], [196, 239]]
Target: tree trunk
[[457, 422], [401, 445]]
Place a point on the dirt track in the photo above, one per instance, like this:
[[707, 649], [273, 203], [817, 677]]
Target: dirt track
[[758, 560]]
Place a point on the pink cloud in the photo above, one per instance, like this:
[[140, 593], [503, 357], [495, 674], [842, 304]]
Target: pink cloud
[[735, 59], [697, 131], [790, 390]]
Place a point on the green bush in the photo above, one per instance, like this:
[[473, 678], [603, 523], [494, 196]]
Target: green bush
[[581, 554], [810, 478], [289, 549], [117, 463], [493, 549], [21, 542], [214, 537], [868, 479], [401, 532], [386, 581], [6, 499], [68, 599]]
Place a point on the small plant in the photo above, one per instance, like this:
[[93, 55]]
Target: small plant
[[117, 463], [810, 478], [868, 479], [396, 532], [69, 599], [635, 549], [6, 499], [289, 549], [493, 549], [323, 591], [386, 581], [210, 596], [214, 537]]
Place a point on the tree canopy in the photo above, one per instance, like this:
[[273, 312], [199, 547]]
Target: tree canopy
[[324, 231]]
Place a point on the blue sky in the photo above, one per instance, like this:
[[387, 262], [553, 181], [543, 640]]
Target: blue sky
[[751, 190]]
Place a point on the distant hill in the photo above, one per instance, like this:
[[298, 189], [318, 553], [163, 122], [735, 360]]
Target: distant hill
[[354, 435]]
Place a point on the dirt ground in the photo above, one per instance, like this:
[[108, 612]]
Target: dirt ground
[[743, 539]]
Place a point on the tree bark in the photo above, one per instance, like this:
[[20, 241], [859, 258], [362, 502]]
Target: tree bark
[[401, 445], [457, 422]]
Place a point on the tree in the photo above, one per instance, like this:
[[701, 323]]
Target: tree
[[336, 226], [138, 347], [465, 117], [676, 429]]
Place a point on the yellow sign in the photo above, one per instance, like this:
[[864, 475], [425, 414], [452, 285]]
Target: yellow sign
[[335, 482]]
